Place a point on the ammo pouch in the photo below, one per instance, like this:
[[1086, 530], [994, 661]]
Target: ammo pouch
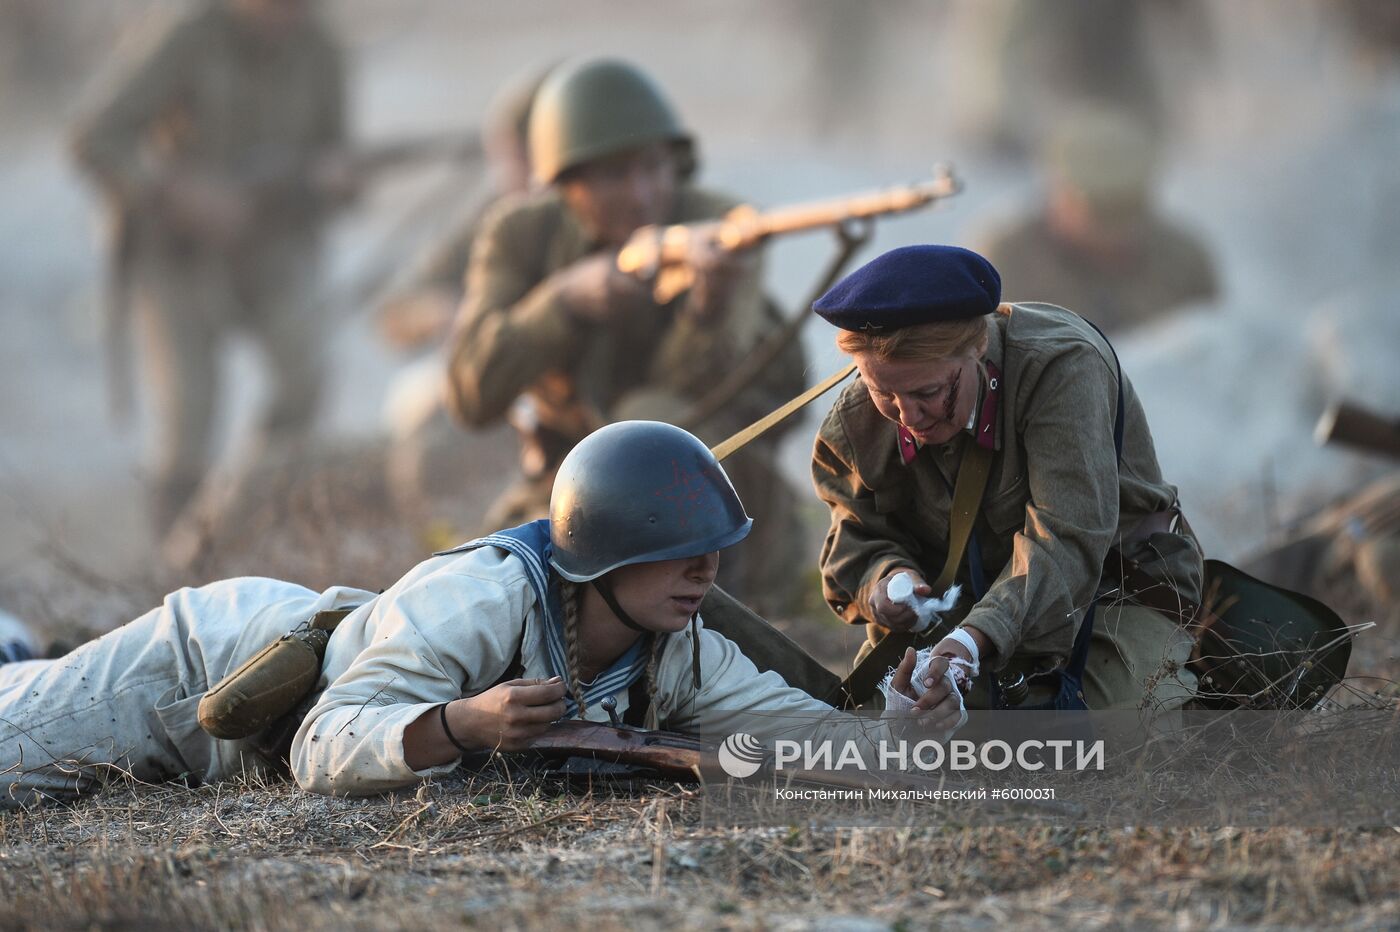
[[272, 683]]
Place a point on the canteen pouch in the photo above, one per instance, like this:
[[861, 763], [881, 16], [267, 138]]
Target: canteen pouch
[[271, 683]]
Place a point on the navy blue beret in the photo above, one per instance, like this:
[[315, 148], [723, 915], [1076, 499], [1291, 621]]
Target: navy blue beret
[[913, 285]]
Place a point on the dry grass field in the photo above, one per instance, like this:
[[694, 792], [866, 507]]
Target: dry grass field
[[513, 854], [1278, 158], [517, 850]]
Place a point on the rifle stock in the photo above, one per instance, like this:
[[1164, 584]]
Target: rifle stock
[[671, 753], [1352, 425], [661, 255]]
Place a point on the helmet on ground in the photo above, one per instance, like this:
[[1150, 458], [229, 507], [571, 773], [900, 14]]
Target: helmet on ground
[[597, 108], [1265, 647], [638, 492]]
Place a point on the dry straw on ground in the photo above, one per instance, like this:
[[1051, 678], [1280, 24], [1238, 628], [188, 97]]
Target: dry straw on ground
[[512, 850], [517, 853]]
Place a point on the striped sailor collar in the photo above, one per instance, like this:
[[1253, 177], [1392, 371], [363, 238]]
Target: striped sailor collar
[[529, 543]]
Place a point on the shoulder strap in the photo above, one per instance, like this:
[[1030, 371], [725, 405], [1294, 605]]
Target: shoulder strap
[[967, 501], [859, 684]]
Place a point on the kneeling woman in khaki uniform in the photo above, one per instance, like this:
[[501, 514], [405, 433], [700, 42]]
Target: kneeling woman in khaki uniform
[[953, 383], [478, 648]]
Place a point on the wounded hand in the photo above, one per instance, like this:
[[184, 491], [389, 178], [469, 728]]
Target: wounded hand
[[936, 702]]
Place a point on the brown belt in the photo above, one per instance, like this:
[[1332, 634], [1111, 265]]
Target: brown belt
[[1136, 584]]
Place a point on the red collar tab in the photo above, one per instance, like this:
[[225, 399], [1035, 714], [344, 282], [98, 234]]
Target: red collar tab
[[986, 419], [908, 446], [991, 401]]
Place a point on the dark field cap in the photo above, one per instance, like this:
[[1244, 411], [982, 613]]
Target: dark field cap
[[913, 285]]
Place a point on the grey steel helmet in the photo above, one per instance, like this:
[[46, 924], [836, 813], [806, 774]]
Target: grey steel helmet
[[597, 108], [637, 492]]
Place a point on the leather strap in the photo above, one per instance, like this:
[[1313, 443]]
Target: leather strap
[[1141, 587], [967, 501], [604, 588], [758, 428], [971, 484]]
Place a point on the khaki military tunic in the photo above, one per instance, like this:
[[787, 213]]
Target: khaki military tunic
[[1055, 501], [514, 337], [210, 96], [1171, 269]]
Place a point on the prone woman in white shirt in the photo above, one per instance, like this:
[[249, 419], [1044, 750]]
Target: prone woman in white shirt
[[479, 648]]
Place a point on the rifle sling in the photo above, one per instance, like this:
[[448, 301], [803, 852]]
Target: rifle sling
[[758, 428], [971, 483]]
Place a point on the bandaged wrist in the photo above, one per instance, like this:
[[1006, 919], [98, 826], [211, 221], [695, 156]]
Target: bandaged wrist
[[897, 702], [963, 637]]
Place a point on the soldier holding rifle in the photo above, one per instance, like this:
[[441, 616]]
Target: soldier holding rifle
[[554, 336], [626, 291]]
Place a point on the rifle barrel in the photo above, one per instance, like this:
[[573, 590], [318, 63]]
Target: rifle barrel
[[840, 210], [652, 249]]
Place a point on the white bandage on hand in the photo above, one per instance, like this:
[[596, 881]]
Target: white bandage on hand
[[958, 669], [967, 670], [901, 590]]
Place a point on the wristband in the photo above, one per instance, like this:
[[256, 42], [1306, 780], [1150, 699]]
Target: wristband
[[442, 714]]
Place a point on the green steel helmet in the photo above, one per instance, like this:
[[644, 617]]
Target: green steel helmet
[[596, 108], [637, 492]]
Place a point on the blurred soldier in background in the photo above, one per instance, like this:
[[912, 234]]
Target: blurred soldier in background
[[1054, 56], [220, 152], [554, 335], [428, 450], [1098, 244], [420, 312], [1348, 551]]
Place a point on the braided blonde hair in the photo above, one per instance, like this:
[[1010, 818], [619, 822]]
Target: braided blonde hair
[[571, 595]]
